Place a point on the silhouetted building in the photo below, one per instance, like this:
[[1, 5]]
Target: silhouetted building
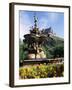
[[48, 31]]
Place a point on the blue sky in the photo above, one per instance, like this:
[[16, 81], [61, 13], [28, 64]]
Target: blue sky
[[45, 20]]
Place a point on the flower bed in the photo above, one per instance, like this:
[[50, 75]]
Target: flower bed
[[41, 71]]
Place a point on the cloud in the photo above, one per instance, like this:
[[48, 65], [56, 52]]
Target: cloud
[[47, 19], [25, 24], [43, 23], [23, 30], [53, 16]]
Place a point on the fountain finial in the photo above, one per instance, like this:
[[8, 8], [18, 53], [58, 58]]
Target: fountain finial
[[35, 21]]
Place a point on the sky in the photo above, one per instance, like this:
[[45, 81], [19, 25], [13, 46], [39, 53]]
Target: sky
[[44, 20]]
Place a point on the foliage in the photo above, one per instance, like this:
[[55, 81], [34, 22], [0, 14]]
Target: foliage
[[54, 47], [58, 51], [41, 71], [22, 54]]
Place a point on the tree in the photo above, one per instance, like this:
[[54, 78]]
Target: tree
[[58, 51], [22, 53]]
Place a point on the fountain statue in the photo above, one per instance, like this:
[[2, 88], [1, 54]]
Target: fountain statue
[[34, 42]]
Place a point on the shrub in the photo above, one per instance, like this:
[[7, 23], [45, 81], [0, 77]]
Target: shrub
[[41, 71]]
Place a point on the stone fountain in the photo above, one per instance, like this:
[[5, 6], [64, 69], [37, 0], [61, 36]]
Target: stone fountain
[[34, 42]]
